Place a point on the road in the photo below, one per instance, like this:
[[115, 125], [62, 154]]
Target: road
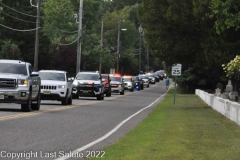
[[87, 126]]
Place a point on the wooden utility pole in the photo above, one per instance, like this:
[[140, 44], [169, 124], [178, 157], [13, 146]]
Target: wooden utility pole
[[79, 37], [35, 68], [100, 62], [118, 45]]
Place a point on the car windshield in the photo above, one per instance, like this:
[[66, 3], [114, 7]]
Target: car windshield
[[52, 76], [127, 79], [104, 78], [151, 75], [116, 79], [13, 68], [143, 77], [136, 78], [82, 76]]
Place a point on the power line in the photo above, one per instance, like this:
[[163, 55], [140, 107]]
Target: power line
[[18, 18], [18, 29], [18, 11], [69, 43]]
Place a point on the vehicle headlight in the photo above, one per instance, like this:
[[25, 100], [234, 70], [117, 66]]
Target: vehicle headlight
[[75, 83], [119, 85], [22, 82], [61, 86]]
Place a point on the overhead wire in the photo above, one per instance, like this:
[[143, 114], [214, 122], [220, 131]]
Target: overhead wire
[[18, 18], [17, 10], [27, 30], [69, 43]]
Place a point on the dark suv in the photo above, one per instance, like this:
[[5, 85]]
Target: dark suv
[[88, 84], [107, 86]]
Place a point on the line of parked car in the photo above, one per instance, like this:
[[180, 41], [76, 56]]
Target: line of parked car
[[89, 84], [20, 84]]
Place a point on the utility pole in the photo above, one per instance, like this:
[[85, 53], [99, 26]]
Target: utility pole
[[79, 37], [147, 59], [118, 44], [140, 49], [35, 68], [100, 63]]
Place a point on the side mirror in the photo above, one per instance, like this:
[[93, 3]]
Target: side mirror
[[34, 74], [70, 79]]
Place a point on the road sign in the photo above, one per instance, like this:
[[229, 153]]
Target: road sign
[[176, 69]]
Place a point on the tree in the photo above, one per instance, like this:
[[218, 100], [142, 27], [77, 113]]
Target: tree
[[227, 13], [10, 51], [183, 32]]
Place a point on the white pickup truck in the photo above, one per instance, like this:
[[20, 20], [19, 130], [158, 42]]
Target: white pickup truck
[[19, 84]]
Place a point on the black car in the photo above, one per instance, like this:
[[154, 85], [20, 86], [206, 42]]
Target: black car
[[88, 84]]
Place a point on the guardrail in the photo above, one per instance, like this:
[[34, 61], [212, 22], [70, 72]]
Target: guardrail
[[226, 107]]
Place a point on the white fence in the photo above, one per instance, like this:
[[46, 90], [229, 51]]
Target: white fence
[[226, 107]]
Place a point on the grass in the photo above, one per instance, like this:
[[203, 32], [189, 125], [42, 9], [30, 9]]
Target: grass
[[188, 130]]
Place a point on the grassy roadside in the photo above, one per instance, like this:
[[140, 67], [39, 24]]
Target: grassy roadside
[[187, 130]]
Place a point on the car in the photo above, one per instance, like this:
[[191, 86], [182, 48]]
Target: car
[[88, 84], [19, 84], [152, 78], [138, 83], [128, 83], [117, 84], [145, 80], [161, 74], [56, 85], [157, 77], [107, 86]]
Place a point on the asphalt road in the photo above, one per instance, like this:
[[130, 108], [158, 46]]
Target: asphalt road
[[85, 128]]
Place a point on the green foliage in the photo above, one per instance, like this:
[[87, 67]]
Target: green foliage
[[183, 32], [227, 14], [59, 21], [10, 51], [232, 68], [18, 21]]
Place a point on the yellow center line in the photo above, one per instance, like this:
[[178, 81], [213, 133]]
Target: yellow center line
[[21, 115]]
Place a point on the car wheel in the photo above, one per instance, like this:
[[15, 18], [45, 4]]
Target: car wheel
[[74, 96], [108, 94], [100, 97], [27, 107], [122, 93], [36, 106], [65, 100], [70, 100], [131, 90], [148, 85]]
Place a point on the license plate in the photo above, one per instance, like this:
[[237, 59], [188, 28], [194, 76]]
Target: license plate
[[46, 92], [1, 96], [85, 91]]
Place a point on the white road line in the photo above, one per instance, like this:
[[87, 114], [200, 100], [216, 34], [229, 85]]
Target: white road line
[[74, 153]]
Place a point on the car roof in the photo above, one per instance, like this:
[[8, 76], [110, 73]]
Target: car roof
[[13, 61], [88, 73], [56, 71]]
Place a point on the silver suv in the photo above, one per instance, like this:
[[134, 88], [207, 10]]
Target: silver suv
[[88, 84], [117, 84]]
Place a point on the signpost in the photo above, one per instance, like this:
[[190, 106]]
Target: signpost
[[176, 71]]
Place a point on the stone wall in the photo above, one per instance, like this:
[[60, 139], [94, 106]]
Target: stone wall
[[226, 107]]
